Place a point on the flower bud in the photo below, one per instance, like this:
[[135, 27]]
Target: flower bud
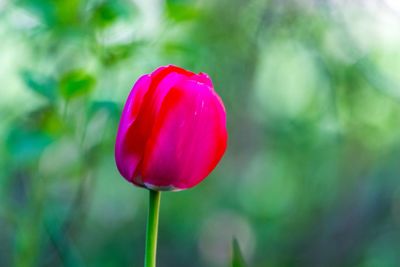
[[172, 131]]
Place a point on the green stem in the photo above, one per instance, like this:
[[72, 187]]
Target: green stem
[[152, 229]]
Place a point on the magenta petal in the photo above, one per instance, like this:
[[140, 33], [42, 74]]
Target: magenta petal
[[188, 139], [125, 160], [203, 78], [138, 118], [163, 88]]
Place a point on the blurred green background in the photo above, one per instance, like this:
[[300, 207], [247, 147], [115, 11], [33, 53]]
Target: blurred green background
[[312, 92]]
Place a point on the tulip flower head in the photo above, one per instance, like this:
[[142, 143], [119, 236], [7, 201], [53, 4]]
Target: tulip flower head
[[172, 131]]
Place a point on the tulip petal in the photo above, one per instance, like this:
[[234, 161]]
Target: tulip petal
[[126, 161], [203, 78], [188, 139], [138, 131]]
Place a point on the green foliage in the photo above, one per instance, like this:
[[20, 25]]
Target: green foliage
[[26, 145], [237, 257], [106, 13], [114, 54], [181, 10], [43, 85], [76, 83], [110, 107]]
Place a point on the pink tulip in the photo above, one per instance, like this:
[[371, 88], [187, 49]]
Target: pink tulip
[[172, 131]]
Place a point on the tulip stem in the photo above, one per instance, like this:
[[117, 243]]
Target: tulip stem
[[152, 228]]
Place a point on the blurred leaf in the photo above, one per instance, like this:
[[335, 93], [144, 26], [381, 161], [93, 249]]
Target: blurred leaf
[[110, 107], [180, 10], [55, 14], [237, 257], [25, 145], [108, 12], [105, 14], [68, 12], [28, 137], [45, 86], [68, 253], [76, 83], [113, 54], [44, 119], [45, 9]]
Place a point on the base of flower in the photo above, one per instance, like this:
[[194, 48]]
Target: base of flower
[[162, 188]]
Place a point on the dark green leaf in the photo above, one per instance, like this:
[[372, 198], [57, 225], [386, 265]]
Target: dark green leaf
[[237, 257]]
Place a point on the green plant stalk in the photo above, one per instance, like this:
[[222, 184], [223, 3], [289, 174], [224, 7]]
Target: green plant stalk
[[152, 228]]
